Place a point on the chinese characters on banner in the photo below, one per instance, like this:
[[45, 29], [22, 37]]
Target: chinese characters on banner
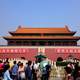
[[25, 50]]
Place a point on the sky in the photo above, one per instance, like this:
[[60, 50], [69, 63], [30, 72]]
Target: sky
[[38, 13]]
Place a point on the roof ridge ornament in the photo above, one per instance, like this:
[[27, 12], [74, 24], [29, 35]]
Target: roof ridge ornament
[[19, 26], [66, 26]]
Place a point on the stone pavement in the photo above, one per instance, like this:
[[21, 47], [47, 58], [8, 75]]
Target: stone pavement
[[57, 73]]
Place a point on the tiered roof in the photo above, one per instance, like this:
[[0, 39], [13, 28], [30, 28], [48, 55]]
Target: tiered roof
[[53, 30], [66, 33]]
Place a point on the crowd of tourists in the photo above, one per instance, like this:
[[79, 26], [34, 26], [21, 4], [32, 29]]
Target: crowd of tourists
[[29, 70], [72, 71], [20, 70]]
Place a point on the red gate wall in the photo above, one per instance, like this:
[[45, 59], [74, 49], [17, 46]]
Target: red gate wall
[[30, 52]]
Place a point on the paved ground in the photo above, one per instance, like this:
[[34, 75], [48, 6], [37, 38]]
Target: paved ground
[[57, 73]]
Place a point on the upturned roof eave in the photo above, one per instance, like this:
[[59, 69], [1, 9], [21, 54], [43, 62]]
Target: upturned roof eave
[[22, 38], [13, 32]]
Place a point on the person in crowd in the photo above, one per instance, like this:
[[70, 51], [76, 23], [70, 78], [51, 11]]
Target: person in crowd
[[68, 73], [76, 73], [25, 65], [4, 65], [14, 71], [6, 75], [43, 64], [21, 72], [19, 62], [48, 70], [35, 70], [28, 71], [1, 69]]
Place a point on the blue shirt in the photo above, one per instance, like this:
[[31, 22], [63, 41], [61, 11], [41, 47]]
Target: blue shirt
[[14, 69], [7, 75]]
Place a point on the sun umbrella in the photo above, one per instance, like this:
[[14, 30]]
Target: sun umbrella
[[40, 56]]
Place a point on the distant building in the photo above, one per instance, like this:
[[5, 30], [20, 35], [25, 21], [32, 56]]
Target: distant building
[[42, 37]]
